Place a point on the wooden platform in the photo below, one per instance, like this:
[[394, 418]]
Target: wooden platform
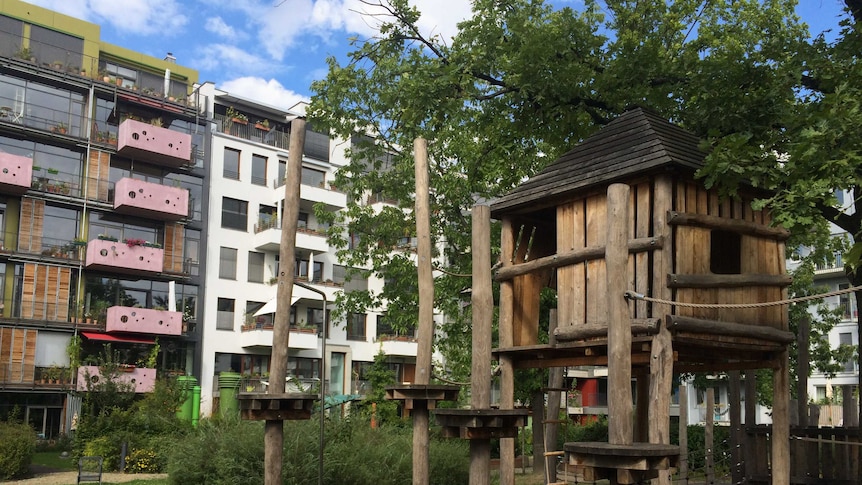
[[623, 463], [691, 353], [425, 395], [257, 406], [478, 424]]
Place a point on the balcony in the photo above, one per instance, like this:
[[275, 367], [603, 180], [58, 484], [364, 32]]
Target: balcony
[[398, 345], [144, 320], [16, 173], [143, 379], [155, 144], [267, 237], [261, 336], [120, 257], [154, 201], [332, 199]]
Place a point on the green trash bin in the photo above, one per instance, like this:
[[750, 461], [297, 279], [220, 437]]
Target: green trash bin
[[228, 383], [186, 384]]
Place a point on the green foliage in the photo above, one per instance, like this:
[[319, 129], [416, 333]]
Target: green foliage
[[17, 446], [521, 83], [143, 460], [231, 451], [378, 376], [148, 424], [697, 446]]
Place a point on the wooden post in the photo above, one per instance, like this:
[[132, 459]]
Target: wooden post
[[506, 331], [555, 381], [661, 363], [708, 436], [734, 401], [482, 302], [619, 334], [781, 422], [848, 406], [683, 434], [274, 429], [750, 447], [426, 311]]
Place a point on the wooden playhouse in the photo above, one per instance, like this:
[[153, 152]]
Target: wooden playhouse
[[619, 217]]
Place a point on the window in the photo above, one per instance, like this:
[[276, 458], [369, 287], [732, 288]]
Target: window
[[846, 303], [258, 170], [303, 368], [231, 164], [282, 173], [227, 263], [302, 220], [267, 218], [847, 339], [725, 252], [255, 267], [312, 177], [356, 326], [234, 214], [316, 144], [225, 313], [315, 318], [301, 270], [820, 393]]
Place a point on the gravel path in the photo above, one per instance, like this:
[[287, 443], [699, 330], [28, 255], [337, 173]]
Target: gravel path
[[71, 478]]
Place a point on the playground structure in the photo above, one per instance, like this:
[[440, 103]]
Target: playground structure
[[623, 231]]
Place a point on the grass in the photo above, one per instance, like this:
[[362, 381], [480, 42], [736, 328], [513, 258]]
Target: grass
[[52, 459]]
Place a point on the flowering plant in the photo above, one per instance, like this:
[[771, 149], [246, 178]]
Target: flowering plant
[[134, 242]]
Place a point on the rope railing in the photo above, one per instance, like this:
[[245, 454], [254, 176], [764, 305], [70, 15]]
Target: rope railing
[[632, 295]]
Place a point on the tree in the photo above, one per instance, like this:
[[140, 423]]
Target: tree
[[521, 83]]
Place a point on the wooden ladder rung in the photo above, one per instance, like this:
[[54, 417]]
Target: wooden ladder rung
[[555, 453]]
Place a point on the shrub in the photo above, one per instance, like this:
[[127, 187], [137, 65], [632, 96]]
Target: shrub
[[142, 460], [231, 451], [17, 445]]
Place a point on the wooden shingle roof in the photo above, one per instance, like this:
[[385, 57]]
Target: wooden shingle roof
[[636, 143]]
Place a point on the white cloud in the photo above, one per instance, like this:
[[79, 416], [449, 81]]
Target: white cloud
[[145, 17], [218, 26], [231, 60], [269, 92]]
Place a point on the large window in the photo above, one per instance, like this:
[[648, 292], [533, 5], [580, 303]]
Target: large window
[[315, 318], [847, 339], [316, 144], [225, 313], [356, 326], [62, 51], [258, 170], [231, 164], [301, 270], [227, 263], [303, 368], [255, 267], [312, 177], [234, 214]]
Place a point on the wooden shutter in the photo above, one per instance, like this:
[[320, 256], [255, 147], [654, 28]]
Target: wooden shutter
[[174, 237], [31, 226], [98, 170], [17, 354], [46, 292]]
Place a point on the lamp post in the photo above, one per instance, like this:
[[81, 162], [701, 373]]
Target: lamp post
[[322, 378]]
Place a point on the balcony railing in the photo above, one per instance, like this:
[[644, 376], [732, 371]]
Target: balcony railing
[[274, 137], [22, 111], [154, 143], [151, 200], [121, 257], [15, 173], [144, 320]]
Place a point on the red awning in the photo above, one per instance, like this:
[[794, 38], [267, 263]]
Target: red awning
[[117, 338]]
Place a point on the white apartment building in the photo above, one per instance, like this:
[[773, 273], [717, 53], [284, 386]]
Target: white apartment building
[[246, 202]]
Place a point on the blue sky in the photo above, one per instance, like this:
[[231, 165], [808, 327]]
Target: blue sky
[[271, 50]]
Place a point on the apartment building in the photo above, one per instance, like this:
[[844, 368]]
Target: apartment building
[[247, 195], [102, 198], [823, 389]]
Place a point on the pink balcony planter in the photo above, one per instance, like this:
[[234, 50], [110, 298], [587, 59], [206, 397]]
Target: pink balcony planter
[[144, 320], [152, 143], [119, 257], [16, 173], [142, 378], [150, 200]]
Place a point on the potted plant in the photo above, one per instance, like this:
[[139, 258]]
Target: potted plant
[[236, 116], [132, 242], [26, 54], [107, 237], [59, 128], [262, 125]]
